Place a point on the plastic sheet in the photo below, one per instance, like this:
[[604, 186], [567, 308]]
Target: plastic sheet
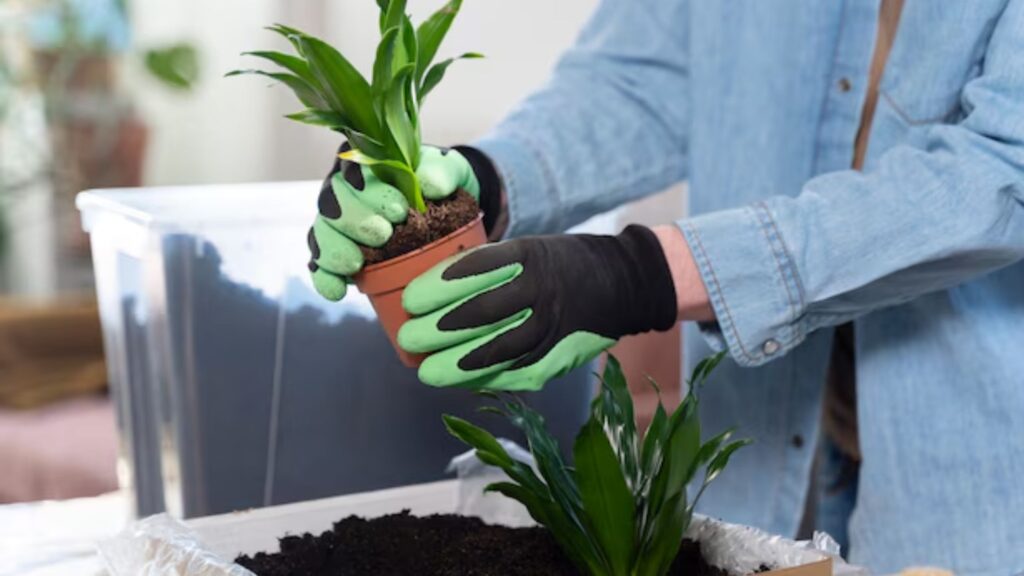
[[162, 546]]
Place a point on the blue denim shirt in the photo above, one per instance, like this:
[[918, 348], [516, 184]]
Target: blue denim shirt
[[757, 105]]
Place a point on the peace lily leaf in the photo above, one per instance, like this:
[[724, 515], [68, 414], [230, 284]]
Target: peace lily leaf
[[606, 497], [436, 73]]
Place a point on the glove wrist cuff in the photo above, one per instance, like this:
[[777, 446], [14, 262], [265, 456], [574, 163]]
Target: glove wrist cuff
[[654, 305], [490, 184]]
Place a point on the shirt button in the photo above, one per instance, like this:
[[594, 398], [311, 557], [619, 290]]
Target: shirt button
[[797, 441], [770, 347], [845, 85]]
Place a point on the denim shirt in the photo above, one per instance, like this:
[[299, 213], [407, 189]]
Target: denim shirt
[[757, 105]]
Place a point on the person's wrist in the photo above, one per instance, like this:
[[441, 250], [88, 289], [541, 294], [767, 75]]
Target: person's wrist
[[692, 300]]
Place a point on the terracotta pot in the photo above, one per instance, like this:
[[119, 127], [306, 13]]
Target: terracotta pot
[[385, 281]]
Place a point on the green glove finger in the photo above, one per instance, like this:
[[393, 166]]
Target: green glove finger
[[570, 353], [442, 368], [431, 291], [441, 172], [423, 334], [358, 221], [383, 198], [330, 286], [333, 251]]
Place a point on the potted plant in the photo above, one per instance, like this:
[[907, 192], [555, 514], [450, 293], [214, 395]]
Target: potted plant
[[380, 120]]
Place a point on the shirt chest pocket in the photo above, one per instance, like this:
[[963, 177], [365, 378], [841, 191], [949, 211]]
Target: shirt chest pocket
[[936, 53]]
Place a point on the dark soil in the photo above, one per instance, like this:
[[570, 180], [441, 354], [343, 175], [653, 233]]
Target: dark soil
[[441, 219], [440, 545]]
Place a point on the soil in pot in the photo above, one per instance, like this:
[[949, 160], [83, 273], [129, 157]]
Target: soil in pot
[[441, 219], [440, 545]]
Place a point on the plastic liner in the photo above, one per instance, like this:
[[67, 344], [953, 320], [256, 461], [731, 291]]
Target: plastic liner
[[162, 546]]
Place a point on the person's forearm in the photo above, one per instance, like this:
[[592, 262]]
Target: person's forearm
[[691, 295]]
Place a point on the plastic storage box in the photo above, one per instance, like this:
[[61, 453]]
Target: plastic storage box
[[236, 385]]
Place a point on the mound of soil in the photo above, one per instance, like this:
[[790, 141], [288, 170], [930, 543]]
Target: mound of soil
[[441, 219], [439, 545]]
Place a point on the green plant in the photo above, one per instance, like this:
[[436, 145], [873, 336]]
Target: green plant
[[623, 509], [379, 117]]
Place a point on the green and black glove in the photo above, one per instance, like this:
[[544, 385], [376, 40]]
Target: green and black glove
[[356, 207], [513, 315]]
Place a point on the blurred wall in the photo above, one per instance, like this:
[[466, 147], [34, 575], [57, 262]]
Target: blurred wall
[[231, 130]]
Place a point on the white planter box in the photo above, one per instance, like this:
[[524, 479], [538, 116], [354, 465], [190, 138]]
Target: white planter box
[[152, 548]]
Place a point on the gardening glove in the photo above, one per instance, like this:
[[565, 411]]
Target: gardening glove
[[356, 207], [513, 315]]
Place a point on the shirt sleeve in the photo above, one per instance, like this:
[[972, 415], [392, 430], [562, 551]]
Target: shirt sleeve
[[609, 127], [926, 218]]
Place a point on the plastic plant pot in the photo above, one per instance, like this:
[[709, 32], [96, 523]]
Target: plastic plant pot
[[384, 282]]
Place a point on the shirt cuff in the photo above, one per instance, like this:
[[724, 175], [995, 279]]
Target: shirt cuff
[[532, 206], [751, 280]]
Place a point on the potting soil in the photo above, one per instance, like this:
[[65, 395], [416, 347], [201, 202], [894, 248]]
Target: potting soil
[[439, 545], [441, 219]]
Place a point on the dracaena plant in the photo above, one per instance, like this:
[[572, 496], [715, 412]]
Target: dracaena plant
[[623, 509], [380, 116]]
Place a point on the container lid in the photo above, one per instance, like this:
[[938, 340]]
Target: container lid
[[194, 209]]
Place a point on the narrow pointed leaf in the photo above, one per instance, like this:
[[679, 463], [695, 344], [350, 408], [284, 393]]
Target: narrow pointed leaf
[[431, 33], [436, 73], [315, 117], [306, 94], [393, 14], [293, 64], [382, 63], [397, 117], [394, 172], [476, 437], [721, 460], [614, 407], [666, 536], [344, 87], [607, 498]]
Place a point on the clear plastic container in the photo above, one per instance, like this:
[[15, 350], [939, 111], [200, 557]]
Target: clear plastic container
[[236, 385]]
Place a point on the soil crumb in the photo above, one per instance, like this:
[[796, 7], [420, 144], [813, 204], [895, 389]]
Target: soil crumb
[[441, 219], [439, 545]]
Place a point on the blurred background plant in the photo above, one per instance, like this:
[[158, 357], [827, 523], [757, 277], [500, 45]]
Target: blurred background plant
[[66, 121]]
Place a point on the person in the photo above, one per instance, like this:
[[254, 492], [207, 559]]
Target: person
[[856, 177]]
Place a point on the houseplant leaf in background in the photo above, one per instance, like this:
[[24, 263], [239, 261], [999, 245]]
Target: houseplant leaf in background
[[177, 66]]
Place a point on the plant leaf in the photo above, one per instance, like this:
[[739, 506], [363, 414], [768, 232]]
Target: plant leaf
[[344, 87], [293, 64], [614, 407], [436, 73], [397, 117], [393, 14], [431, 33], [661, 547], [394, 172], [478, 438], [703, 370], [542, 509], [303, 91], [315, 117], [721, 459], [607, 499], [383, 62], [176, 65]]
